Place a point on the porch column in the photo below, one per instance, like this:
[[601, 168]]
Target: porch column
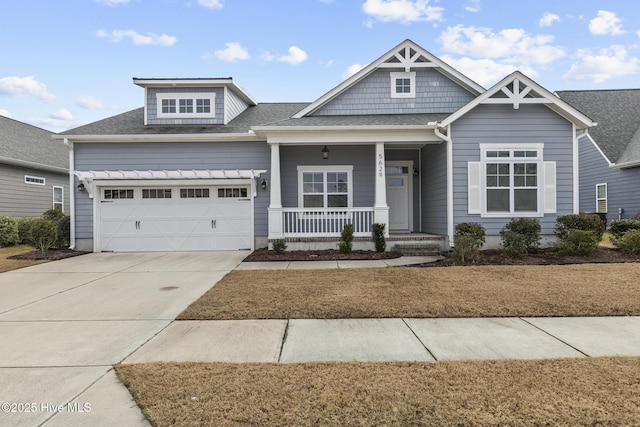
[[380, 207], [275, 205]]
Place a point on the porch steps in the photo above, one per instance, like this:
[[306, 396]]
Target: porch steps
[[421, 249]]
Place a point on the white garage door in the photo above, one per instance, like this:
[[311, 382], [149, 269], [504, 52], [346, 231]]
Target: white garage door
[[175, 218]]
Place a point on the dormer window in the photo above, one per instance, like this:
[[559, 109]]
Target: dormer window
[[185, 105], [403, 85]]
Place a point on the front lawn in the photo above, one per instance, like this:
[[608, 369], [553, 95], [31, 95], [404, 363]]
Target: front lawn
[[563, 392], [7, 264], [484, 291]]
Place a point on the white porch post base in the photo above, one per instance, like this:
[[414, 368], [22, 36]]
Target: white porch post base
[[276, 230], [381, 216]]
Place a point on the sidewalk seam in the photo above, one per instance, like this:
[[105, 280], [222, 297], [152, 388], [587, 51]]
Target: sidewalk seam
[[554, 337], [284, 338], [419, 340]]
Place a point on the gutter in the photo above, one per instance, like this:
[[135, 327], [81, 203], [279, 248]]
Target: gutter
[[180, 137], [32, 165], [72, 196], [626, 165]]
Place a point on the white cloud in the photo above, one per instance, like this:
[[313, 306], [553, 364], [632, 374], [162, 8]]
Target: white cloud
[[267, 56], [233, 52], [512, 46], [296, 56], [472, 6], [548, 19], [90, 102], [5, 113], [61, 119], [352, 69], [604, 65], [211, 4], [405, 11], [138, 39], [606, 23], [485, 72], [23, 87], [113, 2]]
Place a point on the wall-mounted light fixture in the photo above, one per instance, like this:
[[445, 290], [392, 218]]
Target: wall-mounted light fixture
[[416, 172], [81, 187], [263, 184], [325, 153]]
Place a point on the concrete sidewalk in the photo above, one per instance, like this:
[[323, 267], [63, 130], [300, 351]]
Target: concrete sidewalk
[[381, 340], [310, 265]]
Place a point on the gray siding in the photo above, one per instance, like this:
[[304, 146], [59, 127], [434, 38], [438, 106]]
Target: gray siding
[[172, 156], [361, 157], [434, 94], [622, 184], [434, 189], [152, 107], [233, 106], [18, 199], [503, 124]]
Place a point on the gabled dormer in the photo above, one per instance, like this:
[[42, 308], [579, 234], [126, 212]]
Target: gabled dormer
[[199, 101], [405, 80]]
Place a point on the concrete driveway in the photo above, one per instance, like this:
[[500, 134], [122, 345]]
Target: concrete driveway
[[64, 324]]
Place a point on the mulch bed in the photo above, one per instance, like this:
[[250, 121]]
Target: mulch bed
[[549, 256], [264, 254], [50, 255]]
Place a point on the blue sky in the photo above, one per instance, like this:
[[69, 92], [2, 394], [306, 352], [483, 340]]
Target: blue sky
[[69, 62]]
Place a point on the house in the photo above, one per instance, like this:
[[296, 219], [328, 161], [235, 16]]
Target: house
[[408, 141], [610, 152], [34, 170]]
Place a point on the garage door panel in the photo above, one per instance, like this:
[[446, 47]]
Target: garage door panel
[[176, 223]]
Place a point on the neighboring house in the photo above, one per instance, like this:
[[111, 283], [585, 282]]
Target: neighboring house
[[34, 170], [609, 152], [408, 141]]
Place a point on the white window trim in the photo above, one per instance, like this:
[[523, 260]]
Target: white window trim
[[539, 148], [322, 169], [26, 177], [53, 195], [194, 96], [605, 198], [411, 75]]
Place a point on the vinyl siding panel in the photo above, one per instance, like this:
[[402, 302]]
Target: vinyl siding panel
[[19, 199], [152, 107], [622, 184], [233, 106], [434, 94], [503, 124], [172, 156], [361, 157], [434, 189]]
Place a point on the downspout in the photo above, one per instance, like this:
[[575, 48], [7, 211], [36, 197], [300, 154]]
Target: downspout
[[72, 196], [447, 139]]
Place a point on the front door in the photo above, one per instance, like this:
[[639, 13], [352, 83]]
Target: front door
[[398, 189]]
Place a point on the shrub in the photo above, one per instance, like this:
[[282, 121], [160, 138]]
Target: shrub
[[465, 248], [514, 245], [473, 230], [582, 221], [378, 237], [63, 222], [24, 229], [629, 242], [529, 228], [578, 242], [44, 234], [346, 239], [8, 231], [279, 245], [619, 227]]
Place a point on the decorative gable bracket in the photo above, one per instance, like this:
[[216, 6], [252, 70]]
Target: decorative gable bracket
[[518, 92], [408, 58]]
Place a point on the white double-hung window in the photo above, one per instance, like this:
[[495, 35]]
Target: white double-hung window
[[511, 181], [325, 186]]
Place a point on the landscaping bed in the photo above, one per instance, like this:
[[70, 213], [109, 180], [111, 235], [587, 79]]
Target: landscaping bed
[[321, 255], [50, 255]]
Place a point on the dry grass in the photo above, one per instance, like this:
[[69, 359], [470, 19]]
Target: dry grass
[[575, 392], [13, 264], [488, 291]]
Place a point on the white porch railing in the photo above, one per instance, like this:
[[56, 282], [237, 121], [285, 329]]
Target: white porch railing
[[306, 222]]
